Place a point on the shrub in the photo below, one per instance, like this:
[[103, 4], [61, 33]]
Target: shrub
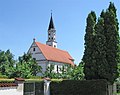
[[76, 87]]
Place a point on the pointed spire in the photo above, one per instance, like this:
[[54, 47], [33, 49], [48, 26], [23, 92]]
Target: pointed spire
[[51, 24], [33, 39]]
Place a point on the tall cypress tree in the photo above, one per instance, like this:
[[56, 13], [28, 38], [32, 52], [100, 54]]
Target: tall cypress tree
[[89, 36], [102, 52], [112, 42]]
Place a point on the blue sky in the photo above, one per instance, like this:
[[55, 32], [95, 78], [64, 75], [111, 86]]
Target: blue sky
[[23, 20]]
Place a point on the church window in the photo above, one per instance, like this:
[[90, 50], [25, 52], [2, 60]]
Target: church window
[[33, 49], [34, 59], [57, 69]]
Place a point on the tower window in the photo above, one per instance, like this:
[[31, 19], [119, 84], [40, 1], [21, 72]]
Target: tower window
[[33, 49]]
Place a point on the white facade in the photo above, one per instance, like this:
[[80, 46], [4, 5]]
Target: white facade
[[41, 60], [38, 56]]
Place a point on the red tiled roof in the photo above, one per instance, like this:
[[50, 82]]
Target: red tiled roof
[[19, 79], [7, 84], [54, 54]]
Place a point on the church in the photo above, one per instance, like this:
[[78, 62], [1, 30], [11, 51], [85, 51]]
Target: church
[[48, 54]]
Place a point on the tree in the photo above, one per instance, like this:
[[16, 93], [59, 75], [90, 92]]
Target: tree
[[102, 55], [66, 72], [112, 42], [35, 68], [77, 72], [49, 72], [99, 60], [6, 62], [88, 53], [26, 67]]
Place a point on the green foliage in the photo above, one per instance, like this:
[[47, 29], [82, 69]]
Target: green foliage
[[6, 63], [102, 46], [3, 76], [74, 73], [66, 72], [26, 67], [50, 72], [76, 87], [111, 32], [88, 53]]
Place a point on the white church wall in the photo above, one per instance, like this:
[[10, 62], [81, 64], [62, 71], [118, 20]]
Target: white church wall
[[36, 52], [43, 65]]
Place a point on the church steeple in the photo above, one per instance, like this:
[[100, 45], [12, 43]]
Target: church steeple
[[51, 34], [51, 24]]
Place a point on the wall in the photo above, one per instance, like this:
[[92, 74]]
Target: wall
[[37, 54], [41, 60], [10, 91], [15, 88]]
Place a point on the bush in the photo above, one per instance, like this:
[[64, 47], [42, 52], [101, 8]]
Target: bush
[[3, 76], [76, 87]]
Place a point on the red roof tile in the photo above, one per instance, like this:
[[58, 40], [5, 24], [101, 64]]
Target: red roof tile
[[19, 79], [8, 84], [54, 54]]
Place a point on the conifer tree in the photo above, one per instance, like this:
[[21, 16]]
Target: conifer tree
[[89, 36], [112, 42], [99, 51], [102, 52]]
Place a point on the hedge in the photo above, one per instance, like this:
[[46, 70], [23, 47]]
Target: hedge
[[76, 87]]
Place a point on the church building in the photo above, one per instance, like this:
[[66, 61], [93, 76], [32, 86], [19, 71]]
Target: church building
[[48, 54]]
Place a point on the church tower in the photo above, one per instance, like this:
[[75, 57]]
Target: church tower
[[51, 34]]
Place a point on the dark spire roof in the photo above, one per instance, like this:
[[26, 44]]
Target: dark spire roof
[[51, 24]]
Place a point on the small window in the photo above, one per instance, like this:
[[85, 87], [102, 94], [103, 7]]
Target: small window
[[57, 69], [33, 49], [34, 59]]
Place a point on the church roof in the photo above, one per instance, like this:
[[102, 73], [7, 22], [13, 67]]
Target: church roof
[[51, 24], [54, 54]]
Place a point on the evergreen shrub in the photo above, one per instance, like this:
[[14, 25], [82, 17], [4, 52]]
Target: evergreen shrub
[[77, 87]]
